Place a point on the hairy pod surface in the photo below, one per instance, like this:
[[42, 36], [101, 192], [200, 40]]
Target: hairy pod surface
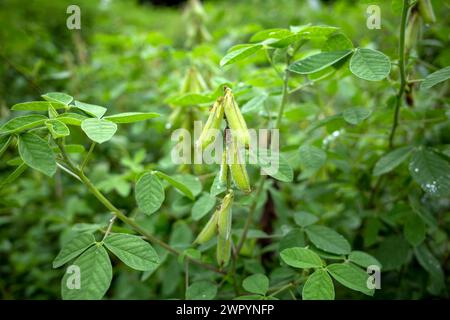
[[212, 125], [236, 162], [426, 11], [223, 173], [235, 120], [209, 230], [412, 31], [223, 251], [225, 216]]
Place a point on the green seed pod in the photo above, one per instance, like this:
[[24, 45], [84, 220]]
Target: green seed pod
[[412, 31], [193, 82], [237, 167], [426, 11], [212, 124], [223, 173], [235, 120], [209, 230], [225, 216], [223, 251]]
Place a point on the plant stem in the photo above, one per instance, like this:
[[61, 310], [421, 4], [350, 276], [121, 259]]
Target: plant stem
[[262, 179], [288, 286], [91, 187], [250, 216], [108, 230], [91, 148], [402, 73], [186, 276], [283, 98]]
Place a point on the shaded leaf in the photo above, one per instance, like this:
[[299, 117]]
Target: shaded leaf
[[371, 65], [133, 251], [301, 258], [327, 239], [318, 286], [37, 154], [149, 193]]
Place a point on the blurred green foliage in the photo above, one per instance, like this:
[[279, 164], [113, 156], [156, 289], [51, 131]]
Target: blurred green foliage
[[128, 57]]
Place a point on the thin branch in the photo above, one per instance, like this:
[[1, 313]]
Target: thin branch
[[122, 217], [108, 230], [86, 160], [403, 81]]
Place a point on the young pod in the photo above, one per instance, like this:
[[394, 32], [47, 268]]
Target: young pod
[[426, 11], [224, 217], [193, 82], [235, 120], [412, 31], [212, 125], [209, 230], [223, 173], [236, 163], [223, 252]]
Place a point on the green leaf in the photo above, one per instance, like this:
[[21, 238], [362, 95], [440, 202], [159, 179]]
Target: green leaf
[[371, 65], [318, 61], [319, 286], [129, 117], [57, 128], [337, 42], [350, 276], [414, 229], [190, 99], [149, 193], [327, 239], [95, 276], [202, 206], [304, 219], [431, 171], [201, 290], [363, 259], [91, 109], [391, 160], [192, 183], [217, 186], [236, 55], [294, 238], [5, 141], [301, 258], [133, 251], [177, 184], [275, 33], [99, 130], [254, 104], [423, 212], [303, 33], [356, 115], [311, 157], [275, 165], [13, 175], [73, 249], [435, 78], [429, 262], [249, 297], [37, 106], [36, 153], [73, 119], [256, 283], [22, 123], [393, 252], [58, 97]]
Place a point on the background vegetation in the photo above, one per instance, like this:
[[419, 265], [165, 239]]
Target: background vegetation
[[132, 57]]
